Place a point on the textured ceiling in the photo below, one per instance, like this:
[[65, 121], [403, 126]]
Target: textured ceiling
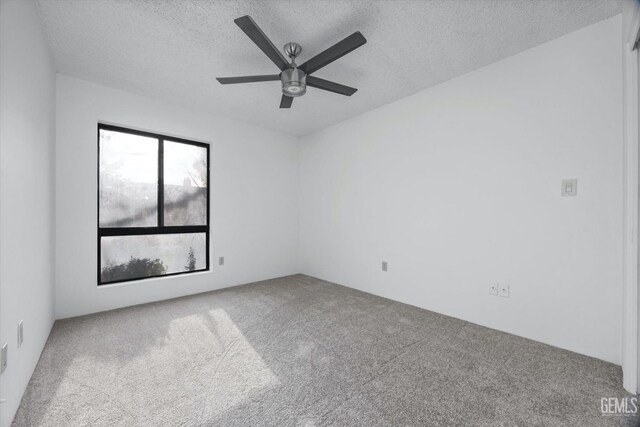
[[173, 50]]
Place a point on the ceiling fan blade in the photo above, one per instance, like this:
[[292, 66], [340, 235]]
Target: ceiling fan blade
[[286, 101], [336, 51], [323, 84], [248, 79], [255, 33]]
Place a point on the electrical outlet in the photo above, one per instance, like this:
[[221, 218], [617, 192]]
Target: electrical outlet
[[221, 260], [503, 291], [493, 288], [384, 265], [20, 333], [569, 187], [3, 357]]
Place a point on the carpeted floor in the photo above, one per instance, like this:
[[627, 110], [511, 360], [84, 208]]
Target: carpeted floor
[[298, 351]]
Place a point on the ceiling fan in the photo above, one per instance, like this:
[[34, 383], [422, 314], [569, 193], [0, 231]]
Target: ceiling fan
[[294, 78]]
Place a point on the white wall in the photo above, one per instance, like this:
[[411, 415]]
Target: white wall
[[630, 301], [254, 202], [459, 185], [27, 132]]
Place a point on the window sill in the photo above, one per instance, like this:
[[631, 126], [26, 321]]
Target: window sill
[[154, 279]]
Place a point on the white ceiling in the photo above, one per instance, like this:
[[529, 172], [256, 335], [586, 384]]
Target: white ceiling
[[173, 50]]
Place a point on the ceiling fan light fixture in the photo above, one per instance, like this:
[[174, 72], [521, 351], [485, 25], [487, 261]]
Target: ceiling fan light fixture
[[294, 82]]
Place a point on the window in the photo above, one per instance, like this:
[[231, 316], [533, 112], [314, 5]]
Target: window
[[153, 205]]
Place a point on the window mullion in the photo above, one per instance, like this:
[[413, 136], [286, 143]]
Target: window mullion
[[160, 182], [139, 231]]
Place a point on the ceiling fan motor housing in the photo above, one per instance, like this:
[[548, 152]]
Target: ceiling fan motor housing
[[294, 82]]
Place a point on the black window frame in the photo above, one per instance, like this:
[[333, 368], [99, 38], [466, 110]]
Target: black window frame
[[160, 228]]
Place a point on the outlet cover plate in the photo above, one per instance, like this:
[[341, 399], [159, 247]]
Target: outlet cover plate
[[493, 288], [570, 187], [20, 333], [503, 291]]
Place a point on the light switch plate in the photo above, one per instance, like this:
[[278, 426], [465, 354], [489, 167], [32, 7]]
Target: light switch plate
[[3, 357], [384, 265], [569, 187], [221, 260]]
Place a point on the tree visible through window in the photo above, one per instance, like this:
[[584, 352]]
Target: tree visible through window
[[153, 207]]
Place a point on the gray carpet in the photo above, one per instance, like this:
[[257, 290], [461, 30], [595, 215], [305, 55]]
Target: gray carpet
[[298, 351]]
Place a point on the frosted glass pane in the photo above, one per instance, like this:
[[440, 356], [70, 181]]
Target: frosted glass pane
[[134, 257], [128, 180], [185, 184]]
